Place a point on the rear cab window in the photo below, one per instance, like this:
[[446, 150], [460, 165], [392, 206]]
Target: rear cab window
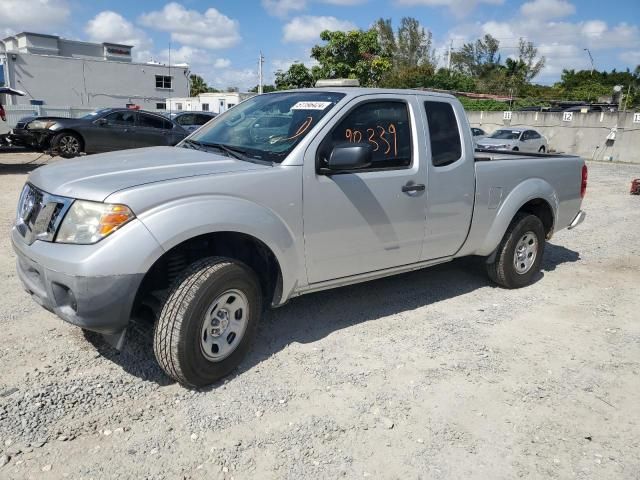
[[444, 135]]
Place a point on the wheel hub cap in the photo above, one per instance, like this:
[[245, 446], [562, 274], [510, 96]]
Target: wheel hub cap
[[224, 325], [526, 252]]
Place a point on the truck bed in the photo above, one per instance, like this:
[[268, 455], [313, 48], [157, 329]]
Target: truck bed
[[494, 155]]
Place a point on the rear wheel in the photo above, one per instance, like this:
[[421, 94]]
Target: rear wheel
[[67, 144], [208, 321], [519, 255]]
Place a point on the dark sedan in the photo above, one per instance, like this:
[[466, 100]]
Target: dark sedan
[[100, 131], [190, 121]]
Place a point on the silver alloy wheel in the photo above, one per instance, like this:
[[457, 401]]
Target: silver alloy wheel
[[69, 145], [224, 324], [526, 252]]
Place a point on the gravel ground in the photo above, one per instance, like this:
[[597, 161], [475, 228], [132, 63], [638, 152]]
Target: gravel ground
[[434, 374]]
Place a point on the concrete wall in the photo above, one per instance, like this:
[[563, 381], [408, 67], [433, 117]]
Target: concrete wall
[[88, 83], [585, 134]]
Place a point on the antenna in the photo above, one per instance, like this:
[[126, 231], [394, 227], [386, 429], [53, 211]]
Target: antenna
[[260, 63], [593, 66]]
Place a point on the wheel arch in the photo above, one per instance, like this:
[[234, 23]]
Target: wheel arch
[[231, 244], [535, 196]]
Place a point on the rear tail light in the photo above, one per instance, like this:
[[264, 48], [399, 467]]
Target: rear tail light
[[583, 186]]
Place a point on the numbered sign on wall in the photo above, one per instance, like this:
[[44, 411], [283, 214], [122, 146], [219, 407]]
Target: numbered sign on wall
[[567, 117], [506, 115], [636, 118]]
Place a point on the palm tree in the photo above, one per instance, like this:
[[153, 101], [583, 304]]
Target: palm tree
[[198, 85]]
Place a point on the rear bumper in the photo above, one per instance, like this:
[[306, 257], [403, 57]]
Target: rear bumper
[[577, 220]]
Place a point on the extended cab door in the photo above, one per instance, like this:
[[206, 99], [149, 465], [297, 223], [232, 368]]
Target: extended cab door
[[451, 182], [373, 218]]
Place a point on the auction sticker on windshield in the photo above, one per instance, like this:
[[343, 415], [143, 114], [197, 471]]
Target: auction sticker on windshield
[[310, 105]]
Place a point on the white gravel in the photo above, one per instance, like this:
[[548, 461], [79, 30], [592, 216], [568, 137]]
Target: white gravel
[[434, 374]]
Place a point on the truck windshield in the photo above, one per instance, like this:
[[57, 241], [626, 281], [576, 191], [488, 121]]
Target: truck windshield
[[266, 127], [506, 134]]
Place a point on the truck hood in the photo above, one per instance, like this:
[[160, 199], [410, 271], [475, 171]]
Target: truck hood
[[97, 176], [495, 141]]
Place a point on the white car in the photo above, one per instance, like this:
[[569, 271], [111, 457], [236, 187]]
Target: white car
[[517, 139]]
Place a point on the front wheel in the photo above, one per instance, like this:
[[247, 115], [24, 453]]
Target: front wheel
[[518, 257], [208, 321], [67, 144], [542, 149]]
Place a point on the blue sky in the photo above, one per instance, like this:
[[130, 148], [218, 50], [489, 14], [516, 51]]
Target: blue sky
[[221, 39]]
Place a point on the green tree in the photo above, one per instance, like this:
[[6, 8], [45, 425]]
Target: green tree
[[265, 89], [414, 44], [386, 37], [354, 54], [297, 76], [530, 63], [197, 85], [478, 59]]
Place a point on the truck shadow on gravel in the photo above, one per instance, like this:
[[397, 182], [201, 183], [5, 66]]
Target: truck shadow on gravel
[[312, 317]]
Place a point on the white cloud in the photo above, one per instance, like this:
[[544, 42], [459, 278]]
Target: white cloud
[[222, 63], [547, 9], [211, 29], [244, 79], [108, 26], [346, 3], [32, 15], [459, 8], [282, 8], [307, 28]]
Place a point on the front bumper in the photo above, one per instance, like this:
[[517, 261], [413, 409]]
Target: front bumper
[[91, 286], [40, 139], [577, 220]]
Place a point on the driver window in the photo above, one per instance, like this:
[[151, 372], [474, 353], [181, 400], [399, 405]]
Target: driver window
[[384, 126], [123, 118]]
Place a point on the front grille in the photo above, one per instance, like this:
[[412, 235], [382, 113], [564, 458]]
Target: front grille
[[39, 214]]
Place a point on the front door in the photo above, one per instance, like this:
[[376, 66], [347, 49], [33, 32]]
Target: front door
[[115, 131], [374, 218]]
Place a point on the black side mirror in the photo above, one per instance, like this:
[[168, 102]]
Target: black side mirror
[[101, 122], [346, 157]]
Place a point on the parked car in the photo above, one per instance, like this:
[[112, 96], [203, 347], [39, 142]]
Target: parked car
[[517, 139], [285, 194], [190, 121], [100, 131], [477, 134]]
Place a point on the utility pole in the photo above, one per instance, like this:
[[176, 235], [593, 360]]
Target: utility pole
[[260, 63], [593, 67], [449, 56]]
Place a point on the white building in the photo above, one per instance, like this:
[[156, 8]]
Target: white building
[[208, 102], [61, 72]]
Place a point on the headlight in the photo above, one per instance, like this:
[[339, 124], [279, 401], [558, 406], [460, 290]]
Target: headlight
[[89, 222], [40, 124]]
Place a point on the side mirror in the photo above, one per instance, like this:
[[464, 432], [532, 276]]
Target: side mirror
[[346, 157], [101, 122]]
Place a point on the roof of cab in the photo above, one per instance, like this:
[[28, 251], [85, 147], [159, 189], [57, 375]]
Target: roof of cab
[[357, 91]]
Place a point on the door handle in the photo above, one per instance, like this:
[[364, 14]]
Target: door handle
[[413, 187]]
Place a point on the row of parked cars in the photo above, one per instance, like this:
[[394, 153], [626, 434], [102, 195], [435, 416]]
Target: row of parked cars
[[106, 130], [112, 129]]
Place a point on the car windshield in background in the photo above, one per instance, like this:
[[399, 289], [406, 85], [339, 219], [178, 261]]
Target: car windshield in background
[[506, 134], [267, 127], [91, 115]]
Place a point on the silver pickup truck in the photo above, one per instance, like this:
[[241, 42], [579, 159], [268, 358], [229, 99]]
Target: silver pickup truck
[[285, 194]]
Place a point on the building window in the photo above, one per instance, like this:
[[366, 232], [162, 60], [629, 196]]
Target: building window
[[161, 106], [163, 81], [205, 107], [178, 106], [231, 105]]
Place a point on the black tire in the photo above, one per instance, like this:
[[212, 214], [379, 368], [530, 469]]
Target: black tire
[[502, 269], [516, 149], [178, 330], [542, 149], [67, 144]]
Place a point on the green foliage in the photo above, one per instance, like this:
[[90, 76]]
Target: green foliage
[[354, 54], [265, 89], [197, 85], [297, 76]]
